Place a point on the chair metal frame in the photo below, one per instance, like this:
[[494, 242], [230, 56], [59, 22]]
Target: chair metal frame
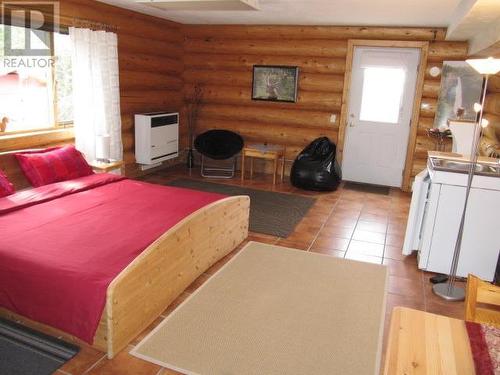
[[211, 172]]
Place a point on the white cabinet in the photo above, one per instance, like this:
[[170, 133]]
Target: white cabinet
[[156, 137], [481, 239]]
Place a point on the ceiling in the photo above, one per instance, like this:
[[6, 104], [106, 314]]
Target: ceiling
[[477, 21], [433, 13]]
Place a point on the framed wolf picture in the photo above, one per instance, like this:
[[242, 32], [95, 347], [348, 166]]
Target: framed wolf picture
[[275, 83]]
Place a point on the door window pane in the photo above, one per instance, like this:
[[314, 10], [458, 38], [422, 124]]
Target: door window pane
[[382, 94]]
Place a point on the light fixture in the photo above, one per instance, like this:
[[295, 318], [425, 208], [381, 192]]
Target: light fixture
[[202, 5], [448, 290], [434, 71], [487, 66]]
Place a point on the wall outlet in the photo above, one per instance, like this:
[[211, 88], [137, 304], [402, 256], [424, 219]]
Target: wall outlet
[[333, 118]]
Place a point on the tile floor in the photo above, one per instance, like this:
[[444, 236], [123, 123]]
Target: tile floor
[[350, 224]]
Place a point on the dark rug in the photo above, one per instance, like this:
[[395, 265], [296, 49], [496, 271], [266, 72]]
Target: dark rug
[[367, 188], [271, 213], [25, 351]]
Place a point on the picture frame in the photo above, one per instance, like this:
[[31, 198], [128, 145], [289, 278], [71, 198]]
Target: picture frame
[[275, 83]]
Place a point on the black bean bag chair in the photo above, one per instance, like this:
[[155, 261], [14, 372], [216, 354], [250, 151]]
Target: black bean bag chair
[[218, 144], [315, 167]]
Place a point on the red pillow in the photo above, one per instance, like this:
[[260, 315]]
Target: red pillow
[[53, 165], [6, 187]]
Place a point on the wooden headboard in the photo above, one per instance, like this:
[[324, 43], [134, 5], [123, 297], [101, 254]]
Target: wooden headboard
[[10, 166]]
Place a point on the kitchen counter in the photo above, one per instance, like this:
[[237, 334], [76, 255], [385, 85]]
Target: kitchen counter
[[459, 157], [436, 210], [486, 176]]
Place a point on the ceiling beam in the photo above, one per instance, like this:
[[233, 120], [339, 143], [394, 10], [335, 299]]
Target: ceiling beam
[[477, 21]]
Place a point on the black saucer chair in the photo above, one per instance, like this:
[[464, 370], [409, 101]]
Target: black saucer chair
[[218, 145], [315, 167]]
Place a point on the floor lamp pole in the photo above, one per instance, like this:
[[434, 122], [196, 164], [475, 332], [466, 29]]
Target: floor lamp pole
[[449, 290]]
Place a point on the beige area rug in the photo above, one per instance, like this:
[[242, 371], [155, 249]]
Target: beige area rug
[[273, 310]]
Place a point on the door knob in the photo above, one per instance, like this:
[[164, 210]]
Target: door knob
[[351, 121]]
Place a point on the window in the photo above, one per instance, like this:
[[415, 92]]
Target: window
[[383, 90], [35, 92]]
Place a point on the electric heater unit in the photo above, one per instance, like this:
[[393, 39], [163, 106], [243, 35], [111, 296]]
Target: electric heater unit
[[156, 137]]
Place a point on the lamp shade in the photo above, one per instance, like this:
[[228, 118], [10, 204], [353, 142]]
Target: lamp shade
[[485, 66]]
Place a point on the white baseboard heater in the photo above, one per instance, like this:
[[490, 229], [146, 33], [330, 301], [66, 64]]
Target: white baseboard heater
[[156, 137]]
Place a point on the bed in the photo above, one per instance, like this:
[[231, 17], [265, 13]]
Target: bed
[[152, 277]]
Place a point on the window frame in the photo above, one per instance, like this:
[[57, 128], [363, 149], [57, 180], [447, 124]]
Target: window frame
[[56, 125]]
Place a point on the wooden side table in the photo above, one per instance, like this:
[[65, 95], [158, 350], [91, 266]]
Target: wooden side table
[[266, 152], [102, 167], [424, 343]]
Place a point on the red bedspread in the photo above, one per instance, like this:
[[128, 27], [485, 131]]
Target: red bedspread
[[62, 244]]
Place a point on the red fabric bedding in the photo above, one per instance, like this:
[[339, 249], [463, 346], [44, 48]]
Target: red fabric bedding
[[62, 244]]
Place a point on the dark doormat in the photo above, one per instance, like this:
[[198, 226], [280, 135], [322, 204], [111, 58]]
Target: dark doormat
[[367, 188], [28, 352], [271, 213]]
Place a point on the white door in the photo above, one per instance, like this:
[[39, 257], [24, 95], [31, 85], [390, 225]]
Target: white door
[[382, 93]]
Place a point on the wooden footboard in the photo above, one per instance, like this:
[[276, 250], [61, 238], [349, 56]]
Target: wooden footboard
[[143, 290]]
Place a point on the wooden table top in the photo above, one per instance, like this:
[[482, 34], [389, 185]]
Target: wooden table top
[[425, 343], [265, 148], [106, 167]]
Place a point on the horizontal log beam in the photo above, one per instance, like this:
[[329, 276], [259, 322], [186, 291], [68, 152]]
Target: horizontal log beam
[[492, 104], [132, 80], [242, 96], [307, 81], [245, 62], [431, 89], [494, 84], [428, 107], [313, 32], [36, 140], [149, 63], [320, 48], [440, 51], [302, 118], [252, 132], [137, 44]]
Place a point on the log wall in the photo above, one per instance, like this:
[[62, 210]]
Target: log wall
[[150, 59], [221, 59], [492, 107]]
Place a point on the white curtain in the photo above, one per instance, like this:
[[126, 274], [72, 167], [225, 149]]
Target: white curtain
[[96, 93]]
